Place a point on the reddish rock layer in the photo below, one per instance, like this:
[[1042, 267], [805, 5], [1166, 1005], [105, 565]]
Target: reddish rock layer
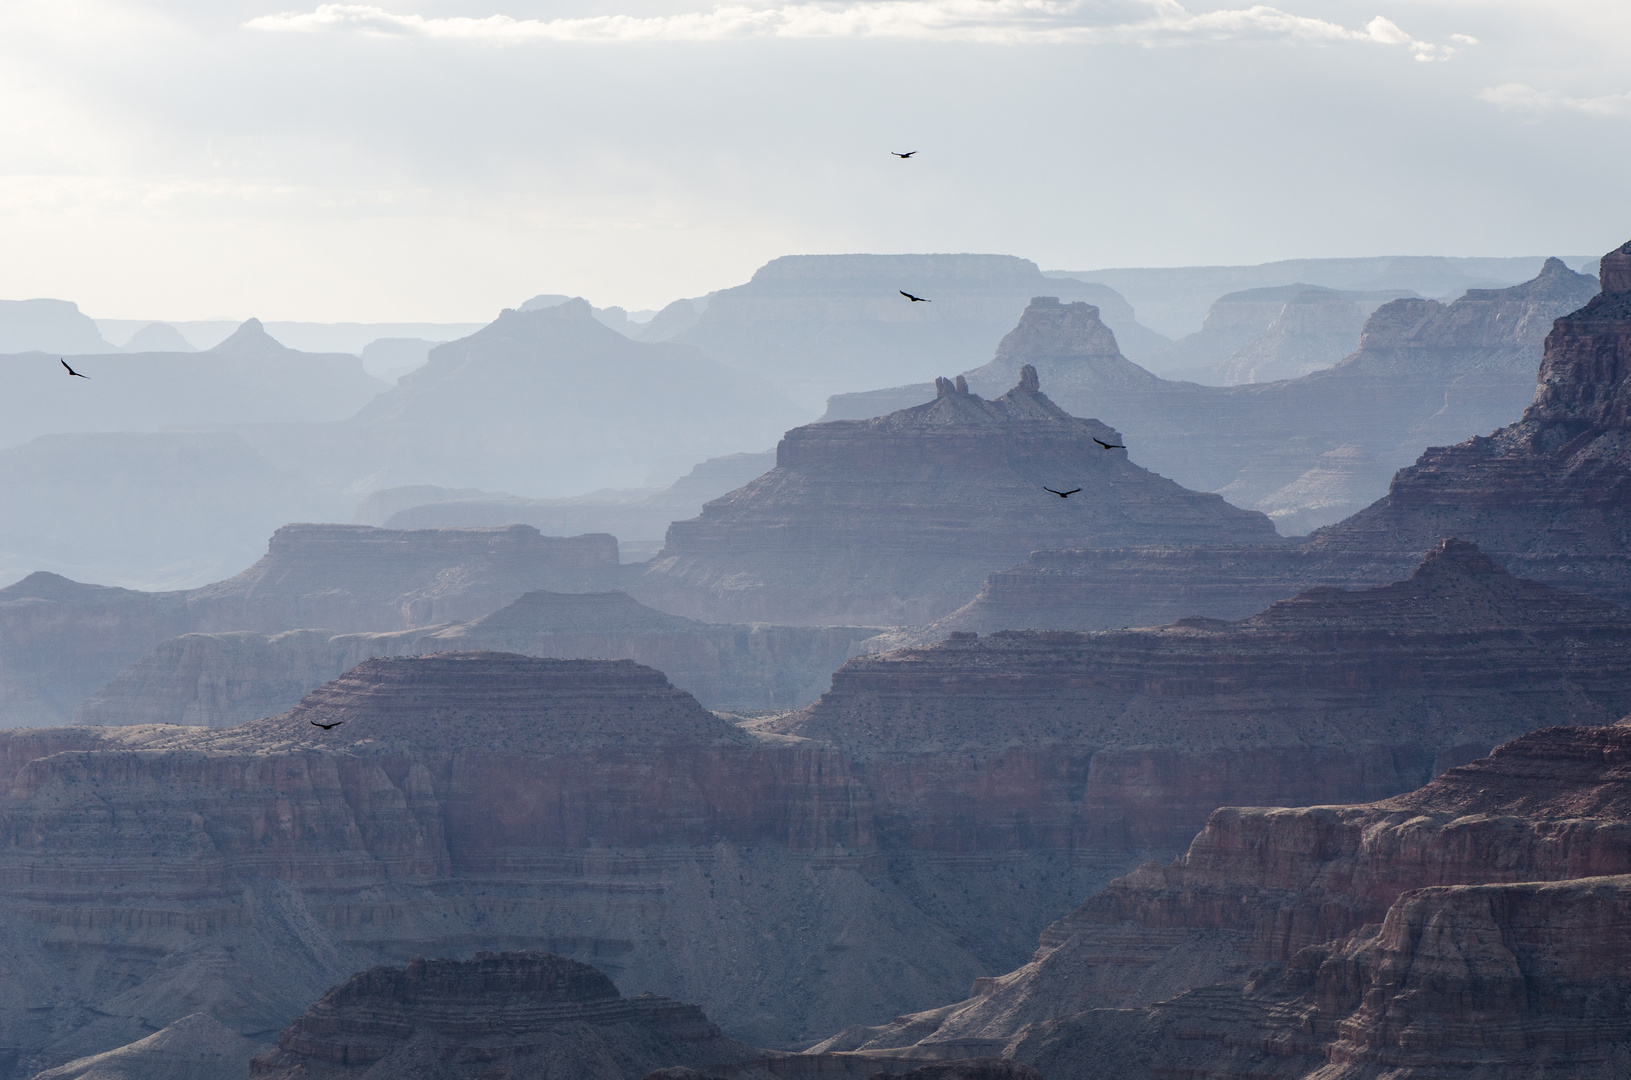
[[488, 802], [1472, 927], [525, 1014]]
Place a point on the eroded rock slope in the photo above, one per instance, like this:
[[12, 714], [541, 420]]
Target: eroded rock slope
[[897, 519], [1471, 928], [1328, 696]]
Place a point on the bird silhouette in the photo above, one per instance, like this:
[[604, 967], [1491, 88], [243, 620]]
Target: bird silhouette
[[1109, 445], [902, 156], [71, 371], [327, 727], [1062, 494], [915, 299]]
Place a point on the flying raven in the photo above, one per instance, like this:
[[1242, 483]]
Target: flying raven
[[71, 371], [915, 299], [1062, 494]]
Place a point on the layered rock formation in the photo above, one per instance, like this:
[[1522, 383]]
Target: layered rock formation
[[353, 577], [487, 802], [1549, 493], [1543, 496], [522, 1014], [60, 641], [897, 519], [1424, 372], [1331, 695], [1471, 928], [228, 678]]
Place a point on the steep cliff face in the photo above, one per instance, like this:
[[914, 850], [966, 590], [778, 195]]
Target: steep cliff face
[[1543, 496], [1329, 696], [527, 1014], [1468, 928], [481, 801], [897, 519], [1547, 495], [220, 679]]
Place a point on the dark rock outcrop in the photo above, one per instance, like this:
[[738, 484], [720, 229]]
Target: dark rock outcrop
[[529, 1015], [897, 519], [1328, 696]]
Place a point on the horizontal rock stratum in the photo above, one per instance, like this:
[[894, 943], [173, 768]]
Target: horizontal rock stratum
[[1359, 694], [887, 847], [897, 520], [1475, 927]]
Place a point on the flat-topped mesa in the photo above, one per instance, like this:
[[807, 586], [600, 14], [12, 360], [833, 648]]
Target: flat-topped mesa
[[544, 1015], [1467, 928], [492, 701], [896, 519], [357, 577], [1331, 696]]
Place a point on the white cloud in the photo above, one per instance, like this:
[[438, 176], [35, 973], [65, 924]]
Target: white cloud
[[1145, 22], [1523, 98]]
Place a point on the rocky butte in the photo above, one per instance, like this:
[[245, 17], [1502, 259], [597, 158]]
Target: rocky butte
[[1475, 927], [526, 1015], [1544, 496], [897, 519], [1328, 696], [1306, 451]]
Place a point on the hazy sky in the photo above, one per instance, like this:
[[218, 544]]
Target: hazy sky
[[439, 160]]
